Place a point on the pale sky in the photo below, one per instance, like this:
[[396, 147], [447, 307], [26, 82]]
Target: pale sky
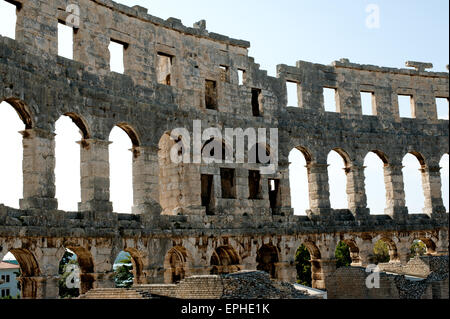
[[280, 31]]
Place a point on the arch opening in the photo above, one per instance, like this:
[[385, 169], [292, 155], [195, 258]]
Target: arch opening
[[69, 271], [384, 251], [124, 272], [338, 161], [267, 257], [307, 264], [121, 169], [175, 264], [13, 118], [412, 177], [344, 255], [224, 260], [375, 185], [299, 158]]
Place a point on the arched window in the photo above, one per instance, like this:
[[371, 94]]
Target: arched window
[[67, 161], [121, 169], [123, 268], [11, 182], [444, 164], [69, 271], [298, 181], [412, 179], [337, 180], [374, 183]]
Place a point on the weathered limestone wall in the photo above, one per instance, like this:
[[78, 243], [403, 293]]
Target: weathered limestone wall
[[168, 212]]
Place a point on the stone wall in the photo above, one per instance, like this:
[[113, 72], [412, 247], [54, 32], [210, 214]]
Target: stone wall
[[168, 214]]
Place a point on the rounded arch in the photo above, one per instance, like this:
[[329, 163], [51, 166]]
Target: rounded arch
[[444, 164], [345, 157], [427, 241], [22, 110], [306, 153], [266, 259], [131, 132], [382, 156], [29, 268], [385, 250], [354, 251], [175, 264], [81, 123], [224, 260], [299, 160], [137, 261], [419, 157], [375, 162], [86, 264]]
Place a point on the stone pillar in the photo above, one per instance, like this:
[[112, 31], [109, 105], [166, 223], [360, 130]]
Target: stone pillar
[[356, 191], [38, 170], [431, 183], [395, 193], [94, 166], [321, 271], [145, 180], [365, 253], [319, 189], [39, 287]]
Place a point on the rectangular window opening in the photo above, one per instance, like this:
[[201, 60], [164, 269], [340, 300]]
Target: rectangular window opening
[[405, 106], [241, 76], [274, 193], [329, 99], [207, 193], [7, 278], [164, 68], [65, 41], [292, 93], [368, 103], [256, 102], [8, 19], [116, 50], [254, 184], [211, 94], [442, 108], [228, 181], [224, 73]]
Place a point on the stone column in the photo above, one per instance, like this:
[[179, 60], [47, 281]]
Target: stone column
[[365, 253], [356, 191], [395, 193], [319, 189], [431, 183], [321, 271], [38, 170], [94, 166], [145, 180], [39, 287]]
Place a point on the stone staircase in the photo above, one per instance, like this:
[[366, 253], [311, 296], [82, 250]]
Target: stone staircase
[[117, 293]]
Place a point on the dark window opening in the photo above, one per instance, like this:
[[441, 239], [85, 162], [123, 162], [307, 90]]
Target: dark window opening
[[207, 194], [224, 73], [256, 102], [228, 181], [211, 94], [254, 184], [274, 194], [7, 278], [164, 68]]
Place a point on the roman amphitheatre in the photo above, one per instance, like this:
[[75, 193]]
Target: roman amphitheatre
[[192, 225]]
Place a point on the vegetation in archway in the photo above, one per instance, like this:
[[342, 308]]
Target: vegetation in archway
[[342, 254], [68, 262], [123, 277], [380, 252], [418, 248], [303, 265]]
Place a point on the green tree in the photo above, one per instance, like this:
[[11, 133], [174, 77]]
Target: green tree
[[418, 248], [342, 254], [381, 252], [124, 273], [303, 265], [64, 291]]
